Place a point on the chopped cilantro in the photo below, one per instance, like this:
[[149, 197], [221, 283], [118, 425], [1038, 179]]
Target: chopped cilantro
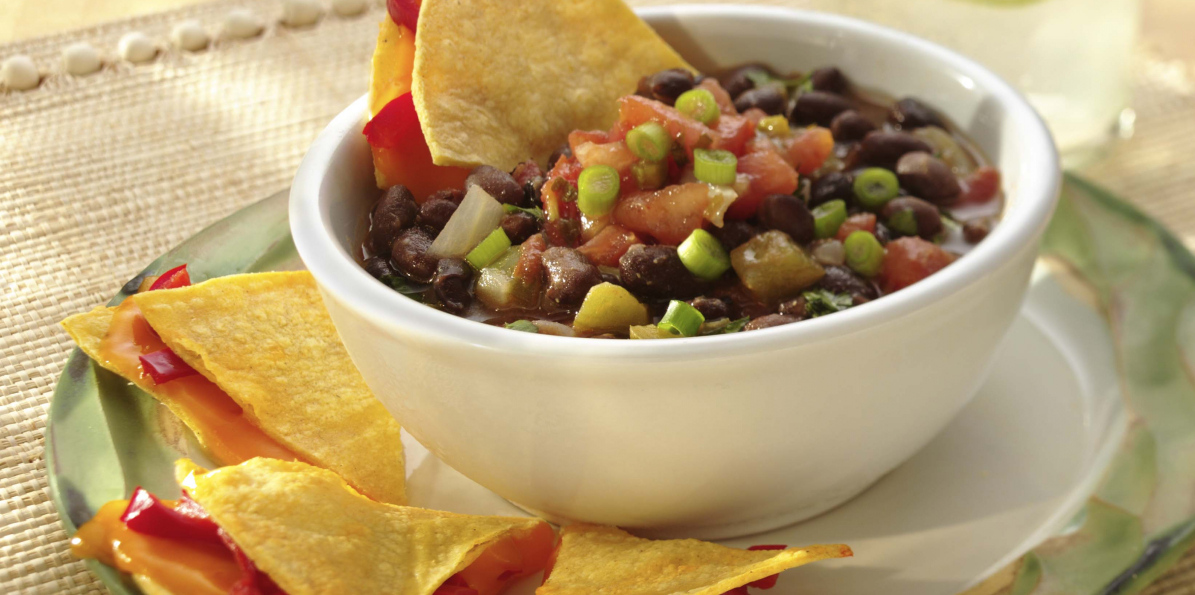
[[404, 286], [525, 326], [723, 326], [820, 302], [536, 212]]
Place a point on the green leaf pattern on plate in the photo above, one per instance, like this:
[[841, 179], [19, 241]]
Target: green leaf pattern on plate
[[1140, 519]]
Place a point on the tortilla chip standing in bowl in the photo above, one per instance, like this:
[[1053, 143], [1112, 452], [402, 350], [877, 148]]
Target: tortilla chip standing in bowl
[[596, 559], [270, 376], [489, 92]]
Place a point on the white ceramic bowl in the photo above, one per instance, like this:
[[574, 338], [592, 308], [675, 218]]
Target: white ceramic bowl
[[714, 436]]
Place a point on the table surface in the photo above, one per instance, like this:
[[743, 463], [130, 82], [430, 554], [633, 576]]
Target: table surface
[[100, 175]]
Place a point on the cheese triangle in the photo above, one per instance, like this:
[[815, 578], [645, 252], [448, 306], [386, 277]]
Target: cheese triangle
[[315, 535], [596, 560]]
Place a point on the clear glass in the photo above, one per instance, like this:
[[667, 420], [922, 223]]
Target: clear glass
[[1071, 58]]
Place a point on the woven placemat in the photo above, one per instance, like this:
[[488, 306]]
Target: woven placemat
[[101, 174]]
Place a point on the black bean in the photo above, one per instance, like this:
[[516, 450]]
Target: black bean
[[435, 213], [711, 308], [570, 275], [928, 177], [452, 282], [519, 226], [850, 126], [884, 149], [643, 89], [829, 79], [832, 186], [409, 253], [794, 308], [455, 195], [496, 183], [976, 230], [562, 151], [395, 212], [769, 99], [736, 81], [379, 266], [789, 214], [769, 321], [818, 107], [667, 85], [882, 233], [912, 217], [839, 279], [909, 113], [734, 233], [657, 271]]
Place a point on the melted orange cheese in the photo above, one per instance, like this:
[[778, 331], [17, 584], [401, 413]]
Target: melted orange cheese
[[216, 419], [181, 567]]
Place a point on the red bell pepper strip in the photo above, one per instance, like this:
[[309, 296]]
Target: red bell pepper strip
[[147, 515], [164, 365], [766, 582], [253, 581], [447, 589], [172, 279], [394, 125], [404, 12]]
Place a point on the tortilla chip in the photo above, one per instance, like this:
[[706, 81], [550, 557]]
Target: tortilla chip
[[595, 560], [499, 82], [267, 341], [313, 534]]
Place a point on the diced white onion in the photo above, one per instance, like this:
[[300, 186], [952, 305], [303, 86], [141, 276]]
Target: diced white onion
[[477, 216]]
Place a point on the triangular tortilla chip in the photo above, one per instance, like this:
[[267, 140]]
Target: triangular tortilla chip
[[499, 82], [266, 339], [315, 535], [595, 560]]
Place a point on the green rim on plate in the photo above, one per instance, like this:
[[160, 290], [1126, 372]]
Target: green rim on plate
[[105, 437]]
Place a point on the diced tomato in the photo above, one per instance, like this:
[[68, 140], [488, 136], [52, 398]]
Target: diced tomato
[[909, 260], [760, 143], [530, 268], [725, 103], [564, 173], [609, 245], [147, 515], [857, 222], [981, 186], [668, 215], [615, 154], [755, 114], [734, 132], [810, 148], [172, 279], [635, 110], [405, 12], [577, 138], [618, 131], [401, 155], [769, 174]]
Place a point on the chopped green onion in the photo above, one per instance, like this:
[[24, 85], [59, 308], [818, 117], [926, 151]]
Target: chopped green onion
[[650, 175], [522, 325], [597, 190], [703, 255], [827, 218], [864, 254], [536, 212], [681, 319], [875, 186], [649, 141], [774, 126], [715, 166], [493, 246], [698, 104]]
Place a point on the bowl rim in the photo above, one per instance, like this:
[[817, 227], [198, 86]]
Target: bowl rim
[[339, 275]]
